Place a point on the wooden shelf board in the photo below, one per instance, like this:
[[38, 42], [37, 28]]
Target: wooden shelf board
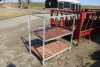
[[52, 49], [52, 33]]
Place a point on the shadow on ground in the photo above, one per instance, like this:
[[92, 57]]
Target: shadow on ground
[[96, 37], [96, 64], [96, 56], [35, 44], [11, 65]]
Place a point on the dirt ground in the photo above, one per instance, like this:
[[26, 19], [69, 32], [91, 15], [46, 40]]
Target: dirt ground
[[13, 51]]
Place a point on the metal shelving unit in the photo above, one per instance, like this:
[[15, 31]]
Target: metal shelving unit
[[50, 46]]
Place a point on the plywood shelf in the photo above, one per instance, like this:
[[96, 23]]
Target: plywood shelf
[[52, 33], [51, 49]]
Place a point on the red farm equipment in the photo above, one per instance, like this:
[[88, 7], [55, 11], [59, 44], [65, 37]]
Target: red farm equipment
[[86, 23]]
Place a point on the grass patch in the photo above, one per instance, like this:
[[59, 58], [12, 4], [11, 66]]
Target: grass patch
[[10, 15], [36, 5], [90, 7]]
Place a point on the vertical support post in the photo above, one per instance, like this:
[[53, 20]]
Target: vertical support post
[[58, 4], [21, 3], [63, 4], [75, 6], [3, 1], [70, 5], [73, 28], [44, 21], [28, 17]]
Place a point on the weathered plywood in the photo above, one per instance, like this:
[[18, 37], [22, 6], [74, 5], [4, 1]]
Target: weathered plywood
[[51, 49], [52, 33]]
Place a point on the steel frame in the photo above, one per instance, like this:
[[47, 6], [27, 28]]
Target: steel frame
[[44, 22]]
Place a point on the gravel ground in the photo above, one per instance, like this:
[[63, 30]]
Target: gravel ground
[[12, 49]]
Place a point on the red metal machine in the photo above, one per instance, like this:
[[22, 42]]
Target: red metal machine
[[55, 19], [83, 24]]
